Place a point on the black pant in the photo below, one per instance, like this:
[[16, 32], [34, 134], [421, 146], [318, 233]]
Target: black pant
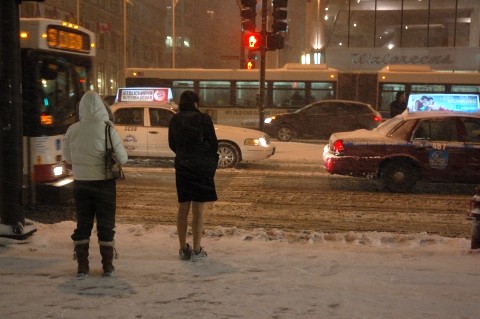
[[95, 199]]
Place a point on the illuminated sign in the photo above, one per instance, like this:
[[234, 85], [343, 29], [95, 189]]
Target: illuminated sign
[[443, 102], [144, 95], [62, 38]]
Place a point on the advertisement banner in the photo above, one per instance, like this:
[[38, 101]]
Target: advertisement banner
[[144, 95], [443, 102]]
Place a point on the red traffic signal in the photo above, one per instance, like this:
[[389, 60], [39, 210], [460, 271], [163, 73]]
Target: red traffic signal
[[253, 41]]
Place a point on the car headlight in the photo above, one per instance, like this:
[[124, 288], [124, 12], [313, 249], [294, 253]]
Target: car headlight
[[58, 170], [268, 120], [262, 141]]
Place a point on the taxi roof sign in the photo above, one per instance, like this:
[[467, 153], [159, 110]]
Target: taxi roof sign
[[144, 95], [443, 102]]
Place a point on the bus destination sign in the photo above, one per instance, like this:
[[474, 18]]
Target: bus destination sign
[[62, 38]]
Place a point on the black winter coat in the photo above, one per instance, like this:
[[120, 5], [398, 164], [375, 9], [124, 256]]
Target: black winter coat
[[191, 136]]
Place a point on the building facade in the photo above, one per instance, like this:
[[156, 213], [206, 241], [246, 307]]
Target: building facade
[[367, 35]]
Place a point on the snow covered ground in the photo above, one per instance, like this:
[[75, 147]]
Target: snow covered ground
[[249, 274]]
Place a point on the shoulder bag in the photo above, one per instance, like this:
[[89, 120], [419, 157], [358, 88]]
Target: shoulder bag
[[113, 169]]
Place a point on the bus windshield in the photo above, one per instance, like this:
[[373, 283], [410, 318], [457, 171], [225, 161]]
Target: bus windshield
[[53, 90]]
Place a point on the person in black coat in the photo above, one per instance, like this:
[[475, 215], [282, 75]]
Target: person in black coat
[[399, 105], [191, 136]]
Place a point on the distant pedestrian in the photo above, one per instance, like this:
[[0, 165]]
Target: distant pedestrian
[[192, 138], [94, 195], [398, 105]]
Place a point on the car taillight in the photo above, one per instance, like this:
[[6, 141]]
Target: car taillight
[[377, 118], [338, 147]]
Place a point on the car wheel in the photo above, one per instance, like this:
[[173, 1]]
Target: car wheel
[[399, 177], [285, 133], [229, 155]]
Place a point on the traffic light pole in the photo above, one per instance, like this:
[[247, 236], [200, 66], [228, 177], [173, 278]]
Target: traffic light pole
[[263, 56], [12, 215]]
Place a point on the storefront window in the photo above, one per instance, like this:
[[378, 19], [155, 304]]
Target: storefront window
[[336, 24], [414, 24], [402, 23], [467, 31], [442, 24], [389, 20], [362, 24]]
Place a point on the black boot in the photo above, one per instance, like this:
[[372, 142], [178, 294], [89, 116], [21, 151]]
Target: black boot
[[107, 250], [81, 255]]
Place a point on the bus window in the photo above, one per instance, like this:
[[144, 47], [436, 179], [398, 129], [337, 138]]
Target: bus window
[[214, 93], [289, 94], [465, 89], [427, 88], [321, 91], [179, 86], [387, 94], [246, 94]]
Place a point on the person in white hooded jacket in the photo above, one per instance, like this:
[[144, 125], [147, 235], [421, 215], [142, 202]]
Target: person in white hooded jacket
[[94, 194]]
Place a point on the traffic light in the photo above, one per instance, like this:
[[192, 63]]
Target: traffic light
[[275, 41], [251, 61], [249, 12], [253, 41], [279, 16]]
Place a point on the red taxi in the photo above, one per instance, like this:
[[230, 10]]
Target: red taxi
[[438, 146]]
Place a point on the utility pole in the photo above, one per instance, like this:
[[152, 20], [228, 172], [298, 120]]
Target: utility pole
[[12, 213], [263, 57]]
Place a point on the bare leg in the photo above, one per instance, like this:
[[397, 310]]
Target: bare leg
[[182, 223], [197, 224]]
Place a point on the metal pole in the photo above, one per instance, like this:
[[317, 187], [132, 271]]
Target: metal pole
[[78, 12], [174, 36], [11, 129], [263, 57], [124, 41]]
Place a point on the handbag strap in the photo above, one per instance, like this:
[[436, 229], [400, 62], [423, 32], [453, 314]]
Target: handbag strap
[[108, 137]]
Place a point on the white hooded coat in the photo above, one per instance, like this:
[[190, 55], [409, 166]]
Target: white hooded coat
[[84, 145]]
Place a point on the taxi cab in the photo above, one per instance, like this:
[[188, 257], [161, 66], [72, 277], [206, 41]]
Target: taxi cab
[[440, 145], [142, 122]]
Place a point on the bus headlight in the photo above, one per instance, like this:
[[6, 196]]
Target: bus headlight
[[256, 141]]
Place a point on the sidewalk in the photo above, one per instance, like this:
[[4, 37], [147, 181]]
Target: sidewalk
[[253, 274]]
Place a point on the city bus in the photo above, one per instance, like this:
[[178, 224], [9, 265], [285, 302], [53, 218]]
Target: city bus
[[57, 68], [230, 96], [420, 79]]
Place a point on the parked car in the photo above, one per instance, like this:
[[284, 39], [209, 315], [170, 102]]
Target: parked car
[[438, 146], [143, 127], [320, 119]]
